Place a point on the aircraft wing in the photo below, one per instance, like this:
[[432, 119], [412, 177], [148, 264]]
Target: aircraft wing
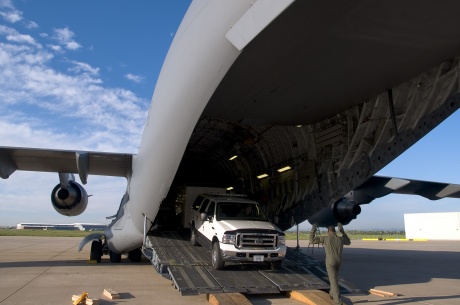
[[379, 186], [64, 161], [345, 210]]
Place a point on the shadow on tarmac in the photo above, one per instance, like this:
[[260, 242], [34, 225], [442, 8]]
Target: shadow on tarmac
[[369, 268], [70, 263]]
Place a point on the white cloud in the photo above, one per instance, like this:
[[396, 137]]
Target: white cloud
[[48, 101], [6, 4], [12, 16], [64, 37], [21, 39], [109, 119], [134, 78], [55, 48], [31, 25], [9, 12], [81, 67], [16, 134], [12, 35], [4, 30]]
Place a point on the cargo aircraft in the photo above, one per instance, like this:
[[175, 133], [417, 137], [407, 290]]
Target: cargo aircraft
[[295, 103]]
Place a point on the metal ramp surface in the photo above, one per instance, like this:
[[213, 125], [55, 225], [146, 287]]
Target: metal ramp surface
[[190, 269]]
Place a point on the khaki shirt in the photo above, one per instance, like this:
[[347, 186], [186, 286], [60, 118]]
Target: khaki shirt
[[333, 245]]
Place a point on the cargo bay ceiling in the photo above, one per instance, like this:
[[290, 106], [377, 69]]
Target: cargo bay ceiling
[[334, 90]]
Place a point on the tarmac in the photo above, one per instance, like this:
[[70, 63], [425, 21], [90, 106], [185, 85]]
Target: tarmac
[[49, 270]]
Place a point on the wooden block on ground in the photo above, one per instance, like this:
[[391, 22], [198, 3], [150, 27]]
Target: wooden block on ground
[[311, 297], [79, 299], [92, 302], [227, 299], [88, 300], [377, 294], [111, 294], [383, 293]]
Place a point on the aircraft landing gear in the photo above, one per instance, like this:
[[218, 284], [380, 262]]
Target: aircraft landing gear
[[115, 257], [96, 251], [135, 255]]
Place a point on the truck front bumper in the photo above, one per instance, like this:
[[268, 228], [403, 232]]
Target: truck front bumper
[[231, 253]]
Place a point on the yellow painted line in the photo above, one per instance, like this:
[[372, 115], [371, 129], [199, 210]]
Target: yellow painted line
[[395, 239]]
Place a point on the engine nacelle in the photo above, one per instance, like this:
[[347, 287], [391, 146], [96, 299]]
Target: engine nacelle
[[343, 211], [69, 201]]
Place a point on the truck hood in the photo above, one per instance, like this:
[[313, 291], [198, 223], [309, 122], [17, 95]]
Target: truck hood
[[231, 225]]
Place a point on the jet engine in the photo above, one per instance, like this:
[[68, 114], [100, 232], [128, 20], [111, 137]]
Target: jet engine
[[343, 211], [68, 197]]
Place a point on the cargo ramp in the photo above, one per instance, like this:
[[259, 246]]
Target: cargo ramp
[[189, 268]]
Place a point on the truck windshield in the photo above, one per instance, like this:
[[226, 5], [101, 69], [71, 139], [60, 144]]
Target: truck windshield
[[240, 211]]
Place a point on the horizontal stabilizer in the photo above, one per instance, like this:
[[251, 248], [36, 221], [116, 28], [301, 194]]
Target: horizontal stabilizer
[[379, 186]]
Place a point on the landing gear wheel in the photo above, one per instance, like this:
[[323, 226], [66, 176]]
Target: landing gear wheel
[[275, 265], [115, 257], [217, 261], [135, 255], [193, 237], [96, 251]]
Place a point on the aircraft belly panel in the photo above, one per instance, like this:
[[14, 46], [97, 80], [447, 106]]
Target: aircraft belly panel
[[320, 58]]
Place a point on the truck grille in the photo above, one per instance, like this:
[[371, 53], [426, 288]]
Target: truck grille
[[255, 240]]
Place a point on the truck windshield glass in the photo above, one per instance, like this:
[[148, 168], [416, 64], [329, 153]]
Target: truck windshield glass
[[240, 211]]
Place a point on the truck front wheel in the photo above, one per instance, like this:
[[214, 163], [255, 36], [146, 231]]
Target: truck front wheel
[[275, 265], [193, 237], [217, 261]]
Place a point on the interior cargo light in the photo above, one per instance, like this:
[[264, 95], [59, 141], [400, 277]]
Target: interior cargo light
[[233, 158], [283, 169], [262, 176], [229, 188]]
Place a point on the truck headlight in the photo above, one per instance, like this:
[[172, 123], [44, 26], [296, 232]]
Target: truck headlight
[[281, 240], [229, 239]]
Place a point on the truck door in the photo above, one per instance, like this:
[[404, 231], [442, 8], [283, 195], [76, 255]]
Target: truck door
[[208, 225], [202, 209]]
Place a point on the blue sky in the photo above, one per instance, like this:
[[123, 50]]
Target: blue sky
[[80, 75]]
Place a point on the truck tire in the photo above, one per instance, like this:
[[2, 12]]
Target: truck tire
[[135, 255], [275, 265], [217, 261], [115, 257], [193, 237], [96, 251]]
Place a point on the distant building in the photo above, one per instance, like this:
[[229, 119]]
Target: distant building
[[72, 226], [433, 226]]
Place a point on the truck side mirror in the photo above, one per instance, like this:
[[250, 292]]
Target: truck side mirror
[[275, 220], [203, 216]]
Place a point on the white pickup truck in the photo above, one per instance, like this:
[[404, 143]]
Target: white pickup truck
[[235, 229]]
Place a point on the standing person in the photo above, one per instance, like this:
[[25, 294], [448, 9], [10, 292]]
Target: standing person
[[333, 246]]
